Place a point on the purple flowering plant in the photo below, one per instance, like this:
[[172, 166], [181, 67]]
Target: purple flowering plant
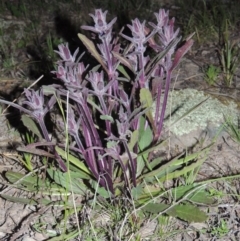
[[109, 125]]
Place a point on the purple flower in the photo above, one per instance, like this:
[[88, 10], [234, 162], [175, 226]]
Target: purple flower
[[35, 100], [137, 29], [100, 25], [61, 73], [97, 82], [168, 33], [71, 75], [138, 33], [65, 53], [162, 19]]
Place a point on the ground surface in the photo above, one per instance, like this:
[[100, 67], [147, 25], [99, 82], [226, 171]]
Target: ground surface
[[17, 221]]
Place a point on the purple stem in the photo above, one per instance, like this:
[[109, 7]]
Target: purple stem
[[164, 105], [141, 68]]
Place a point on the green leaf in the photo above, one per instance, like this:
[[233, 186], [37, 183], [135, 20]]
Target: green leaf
[[185, 212], [155, 162], [147, 102], [34, 183], [169, 175], [155, 207], [137, 192], [123, 60], [189, 213], [76, 185], [152, 148], [178, 166], [48, 90], [100, 190], [25, 201], [107, 117], [72, 159], [145, 139], [121, 69], [199, 196], [28, 201], [133, 140], [146, 98], [111, 144], [91, 48], [31, 125]]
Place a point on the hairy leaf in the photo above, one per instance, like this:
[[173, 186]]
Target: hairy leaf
[[91, 48], [31, 125], [123, 60]]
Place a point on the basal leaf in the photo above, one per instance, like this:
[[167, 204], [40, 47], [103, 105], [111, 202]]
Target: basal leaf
[[185, 212], [137, 192], [178, 166], [145, 139], [78, 163], [147, 102], [189, 213], [199, 196], [100, 190], [155, 207], [31, 125], [91, 48], [133, 140], [28, 201], [184, 171], [76, 185], [141, 163], [36, 151], [25, 201], [34, 183], [146, 97]]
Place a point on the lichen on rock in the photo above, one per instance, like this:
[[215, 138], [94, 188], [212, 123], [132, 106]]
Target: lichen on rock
[[212, 111]]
